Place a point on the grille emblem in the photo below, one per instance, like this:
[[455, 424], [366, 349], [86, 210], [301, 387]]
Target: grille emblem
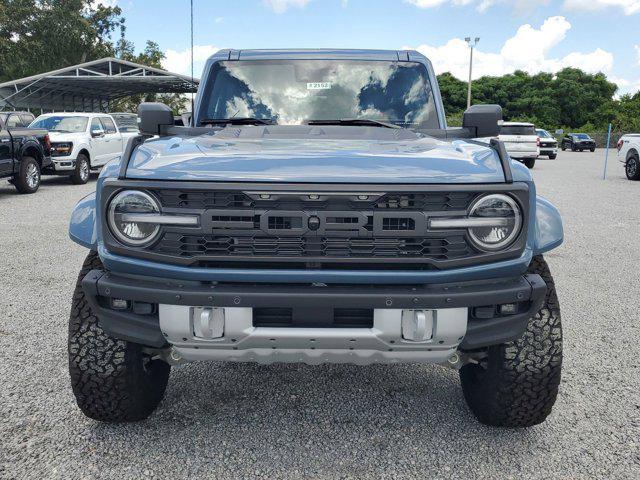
[[314, 223]]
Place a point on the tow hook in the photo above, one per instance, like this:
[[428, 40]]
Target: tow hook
[[454, 361]]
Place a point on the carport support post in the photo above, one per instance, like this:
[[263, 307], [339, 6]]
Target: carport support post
[[606, 155]]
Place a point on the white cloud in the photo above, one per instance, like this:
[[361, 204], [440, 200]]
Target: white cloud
[[628, 6], [280, 6], [527, 50], [106, 3], [481, 5], [180, 62], [219, 19], [437, 3], [625, 85]]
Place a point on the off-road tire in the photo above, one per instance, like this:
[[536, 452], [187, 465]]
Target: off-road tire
[[28, 166], [553, 157], [632, 167], [112, 380], [563, 148], [530, 163], [517, 384], [82, 172], [592, 149]]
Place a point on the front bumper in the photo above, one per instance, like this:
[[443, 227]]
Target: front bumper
[[62, 165], [549, 150], [168, 318]]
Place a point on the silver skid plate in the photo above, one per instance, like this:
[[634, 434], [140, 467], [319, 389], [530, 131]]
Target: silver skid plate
[[429, 336]]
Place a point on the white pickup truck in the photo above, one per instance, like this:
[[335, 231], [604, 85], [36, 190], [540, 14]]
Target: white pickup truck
[[81, 142], [521, 141], [629, 154]]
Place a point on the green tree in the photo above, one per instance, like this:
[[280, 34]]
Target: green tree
[[571, 98], [151, 56], [41, 35]]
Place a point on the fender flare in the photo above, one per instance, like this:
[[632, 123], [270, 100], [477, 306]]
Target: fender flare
[[549, 232], [29, 143], [82, 227]]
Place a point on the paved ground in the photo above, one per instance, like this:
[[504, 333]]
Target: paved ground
[[289, 421]]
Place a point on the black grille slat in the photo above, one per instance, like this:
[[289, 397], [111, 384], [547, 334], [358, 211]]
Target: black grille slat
[[428, 202], [340, 247]]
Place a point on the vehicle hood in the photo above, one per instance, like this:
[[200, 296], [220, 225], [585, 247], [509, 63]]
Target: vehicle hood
[[66, 137], [312, 154]]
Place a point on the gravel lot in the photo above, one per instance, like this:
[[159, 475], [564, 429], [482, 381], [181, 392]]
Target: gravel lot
[[296, 421]]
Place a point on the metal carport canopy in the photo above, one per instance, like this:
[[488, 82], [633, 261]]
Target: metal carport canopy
[[91, 86]]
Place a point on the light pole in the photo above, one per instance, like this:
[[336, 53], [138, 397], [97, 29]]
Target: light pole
[[471, 47]]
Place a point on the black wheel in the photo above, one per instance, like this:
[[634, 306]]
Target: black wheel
[[553, 157], [632, 167], [582, 150], [593, 149], [80, 175], [517, 384], [573, 149], [28, 178], [563, 147], [112, 380], [529, 162]]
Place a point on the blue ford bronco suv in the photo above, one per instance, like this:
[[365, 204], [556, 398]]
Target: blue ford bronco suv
[[316, 209]]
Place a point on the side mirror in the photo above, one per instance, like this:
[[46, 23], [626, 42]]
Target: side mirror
[[484, 120], [97, 133], [152, 116]]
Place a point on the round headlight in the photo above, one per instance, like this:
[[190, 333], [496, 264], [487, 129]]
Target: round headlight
[[131, 232], [499, 222]]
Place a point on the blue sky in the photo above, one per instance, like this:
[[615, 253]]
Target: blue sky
[[533, 35]]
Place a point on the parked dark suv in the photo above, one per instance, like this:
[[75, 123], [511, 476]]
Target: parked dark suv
[[578, 142]]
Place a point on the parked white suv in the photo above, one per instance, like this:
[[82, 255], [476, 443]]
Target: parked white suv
[[521, 141], [80, 142], [548, 144], [629, 154]]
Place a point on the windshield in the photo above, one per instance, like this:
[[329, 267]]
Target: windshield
[[582, 136], [61, 124], [543, 134], [125, 122], [294, 92], [517, 130]]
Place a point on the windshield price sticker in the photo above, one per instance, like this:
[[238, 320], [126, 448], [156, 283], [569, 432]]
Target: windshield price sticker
[[319, 86]]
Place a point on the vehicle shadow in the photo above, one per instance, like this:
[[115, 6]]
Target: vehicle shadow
[[6, 189], [321, 419]]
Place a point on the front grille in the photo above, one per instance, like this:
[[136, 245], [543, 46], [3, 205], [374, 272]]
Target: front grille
[[189, 246], [268, 226]]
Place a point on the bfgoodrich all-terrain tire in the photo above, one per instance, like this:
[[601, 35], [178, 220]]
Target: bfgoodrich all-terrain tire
[[113, 380], [517, 384]]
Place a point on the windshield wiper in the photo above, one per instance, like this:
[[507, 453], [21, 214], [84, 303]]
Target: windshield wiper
[[237, 121], [365, 122]]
